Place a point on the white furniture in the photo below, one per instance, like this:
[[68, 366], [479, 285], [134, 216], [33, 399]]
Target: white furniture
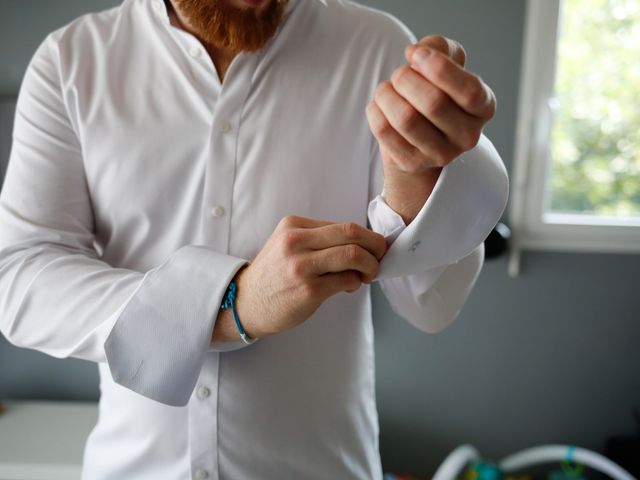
[[44, 440], [465, 455]]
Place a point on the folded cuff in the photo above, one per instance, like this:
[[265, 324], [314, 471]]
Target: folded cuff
[[158, 343], [465, 204]]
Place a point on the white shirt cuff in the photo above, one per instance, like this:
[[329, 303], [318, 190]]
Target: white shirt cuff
[[465, 204], [158, 343], [384, 220]]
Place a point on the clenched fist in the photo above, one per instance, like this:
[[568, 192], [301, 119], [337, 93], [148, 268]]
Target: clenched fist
[[304, 262], [428, 113]]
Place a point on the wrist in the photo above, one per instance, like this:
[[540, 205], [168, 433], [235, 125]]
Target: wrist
[[407, 192], [226, 329], [245, 306]]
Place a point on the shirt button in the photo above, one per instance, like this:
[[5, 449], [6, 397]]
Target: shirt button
[[201, 474], [195, 52], [225, 126], [157, 5], [203, 392], [217, 211]]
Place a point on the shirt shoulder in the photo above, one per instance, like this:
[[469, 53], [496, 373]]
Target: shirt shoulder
[[95, 46], [89, 28], [73, 60], [372, 21], [376, 37], [81, 46]]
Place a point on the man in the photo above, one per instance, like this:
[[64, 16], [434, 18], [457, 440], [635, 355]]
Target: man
[[158, 147]]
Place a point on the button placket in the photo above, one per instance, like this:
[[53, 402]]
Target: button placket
[[203, 392], [203, 421], [217, 211], [220, 176], [225, 126], [201, 474]]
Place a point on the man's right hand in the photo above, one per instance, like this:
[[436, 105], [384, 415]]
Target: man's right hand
[[304, 262]]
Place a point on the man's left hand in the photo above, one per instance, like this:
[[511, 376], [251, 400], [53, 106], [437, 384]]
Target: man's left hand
[[431, 111]]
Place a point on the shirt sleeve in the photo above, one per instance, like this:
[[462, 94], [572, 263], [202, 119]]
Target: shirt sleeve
[[428, 289], [57, 296]]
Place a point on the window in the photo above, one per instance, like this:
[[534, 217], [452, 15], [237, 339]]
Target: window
[[576, 182]]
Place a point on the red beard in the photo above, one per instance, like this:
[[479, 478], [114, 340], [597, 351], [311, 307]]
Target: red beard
[[231, 28]]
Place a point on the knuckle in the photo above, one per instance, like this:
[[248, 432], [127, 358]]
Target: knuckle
[[400, 76], [440, 67], [475, 94], [382, 128], [308, 290], [351, 230], [298, 268], [287, 222], [437, 102], [409, 161], [395, 76], [290, 240], [381, 91], [407, 117], [352, 253]]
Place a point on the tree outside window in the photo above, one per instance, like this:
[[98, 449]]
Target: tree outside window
[[595, 139]]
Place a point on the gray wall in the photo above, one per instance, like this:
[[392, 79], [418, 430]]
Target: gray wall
[[23, 25], [549, 357]]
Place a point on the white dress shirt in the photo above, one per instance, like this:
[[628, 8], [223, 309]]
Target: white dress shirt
[[138, 185]]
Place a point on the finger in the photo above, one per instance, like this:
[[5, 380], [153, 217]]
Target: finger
[[461, 128], [332, 283], [344, 234], [420, 128], [342, 258], [406, 156], [465, 88], [295, 221], [449, 47]]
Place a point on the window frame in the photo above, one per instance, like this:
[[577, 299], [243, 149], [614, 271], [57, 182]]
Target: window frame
[[532, 160]]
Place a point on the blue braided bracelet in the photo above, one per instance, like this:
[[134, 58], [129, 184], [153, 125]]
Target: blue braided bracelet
[[229, 301]]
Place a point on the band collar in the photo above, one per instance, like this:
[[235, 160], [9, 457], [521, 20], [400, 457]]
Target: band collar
[[159, 7]]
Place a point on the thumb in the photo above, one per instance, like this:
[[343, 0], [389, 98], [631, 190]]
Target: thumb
[[442, 44]]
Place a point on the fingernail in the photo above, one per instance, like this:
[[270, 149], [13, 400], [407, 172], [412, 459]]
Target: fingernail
[[421, 55]]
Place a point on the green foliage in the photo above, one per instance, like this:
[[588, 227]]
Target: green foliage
[[595, 145]]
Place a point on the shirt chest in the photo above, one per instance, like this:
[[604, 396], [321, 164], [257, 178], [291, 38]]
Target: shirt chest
[[209, 162]]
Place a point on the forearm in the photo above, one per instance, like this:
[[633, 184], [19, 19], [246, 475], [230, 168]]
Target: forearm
[[406, 193]]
